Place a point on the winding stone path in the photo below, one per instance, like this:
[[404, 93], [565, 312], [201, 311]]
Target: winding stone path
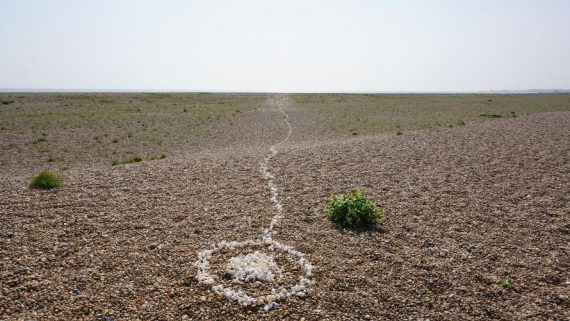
[[258, 266]]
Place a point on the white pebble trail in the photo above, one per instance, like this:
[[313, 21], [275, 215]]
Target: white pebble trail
[[258, 266]]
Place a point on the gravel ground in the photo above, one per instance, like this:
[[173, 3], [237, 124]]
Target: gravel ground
[[465, 207]]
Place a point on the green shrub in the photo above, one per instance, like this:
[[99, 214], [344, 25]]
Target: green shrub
[[46, 180], [353, 210]]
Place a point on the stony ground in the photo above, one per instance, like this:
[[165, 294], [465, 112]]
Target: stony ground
[[465, 207]]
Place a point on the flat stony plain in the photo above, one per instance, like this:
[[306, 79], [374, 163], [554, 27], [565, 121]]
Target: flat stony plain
[[475, 189]]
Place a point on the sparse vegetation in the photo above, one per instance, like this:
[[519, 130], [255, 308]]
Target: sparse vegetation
[[506, 283], [378, 113], [11, 146], [93, 126], [46, 180], [39, 140], [135, 159], [353, 210]]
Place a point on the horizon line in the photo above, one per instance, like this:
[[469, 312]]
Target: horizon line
[[85, 90]]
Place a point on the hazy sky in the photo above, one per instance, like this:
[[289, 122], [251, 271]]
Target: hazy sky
[[285, 45]]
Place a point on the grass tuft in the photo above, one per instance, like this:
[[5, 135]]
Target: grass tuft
[[46, 180], [506, 283]]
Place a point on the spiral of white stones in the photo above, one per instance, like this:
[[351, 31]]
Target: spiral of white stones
[[257, 266]]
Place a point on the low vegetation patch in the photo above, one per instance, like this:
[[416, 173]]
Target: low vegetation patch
[[157, 157], [506, 283], [378, 113], [37, 141], [46, 180], [136, 159], [353, 210], [491, 115]]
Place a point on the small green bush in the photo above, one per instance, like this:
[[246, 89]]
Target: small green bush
[[353, 210], [46, 180]]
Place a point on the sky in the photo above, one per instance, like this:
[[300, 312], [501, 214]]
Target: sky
[[285, 46]]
